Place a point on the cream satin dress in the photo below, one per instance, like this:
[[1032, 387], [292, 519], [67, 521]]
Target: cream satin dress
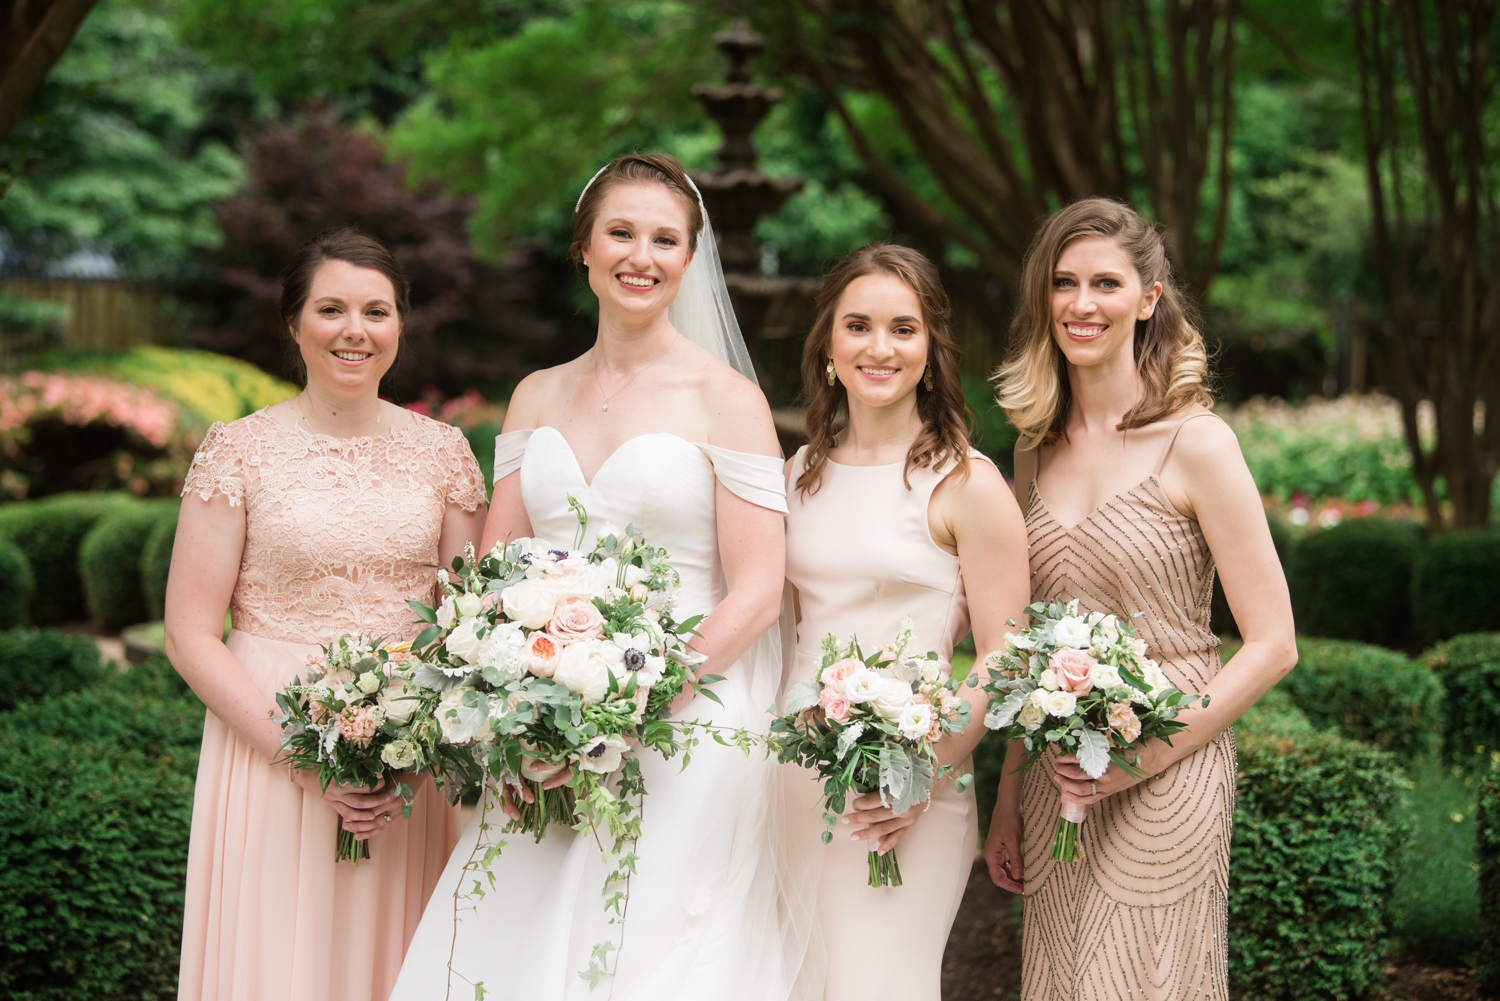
[[339, 533], [861, 558], [702, 922]]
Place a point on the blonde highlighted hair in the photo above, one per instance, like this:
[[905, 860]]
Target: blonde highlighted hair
[[1032, 385]]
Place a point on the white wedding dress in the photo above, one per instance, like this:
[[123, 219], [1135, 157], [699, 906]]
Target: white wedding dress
[[702, 921]]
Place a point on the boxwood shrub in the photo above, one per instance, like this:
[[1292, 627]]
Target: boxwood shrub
[[1487, 848], [1469, 669], [17, 584], [1367, 693], [1222, 619], [1353, 581], [109, 564], [1456, 587], [1317, 835], [156, 561], [49, 532], [34, 663], [95, 805]]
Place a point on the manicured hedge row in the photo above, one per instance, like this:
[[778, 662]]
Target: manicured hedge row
[[109, 561], [1469, 669], [34, 664], [1354, 581], [1487, 847], [1367, 693], [95, 803], [1457, 585], [1315, 856], [156, 560], [50, 532], [17, 585]]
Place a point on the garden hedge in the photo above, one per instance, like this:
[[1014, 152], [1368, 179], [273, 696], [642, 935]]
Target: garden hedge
[[1456, 586], [1469, 669], [1487, 848], [156, 562], [109, 563], [1354, 581], [1222, 619], [49, 532], [17, 585], [1367, 693], [1316, 850], [35, 663], [96, 795]]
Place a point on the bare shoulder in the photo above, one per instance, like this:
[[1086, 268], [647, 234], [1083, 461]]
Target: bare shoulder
[[985, 485], [535, 393], [1207, 445], [739, 417]]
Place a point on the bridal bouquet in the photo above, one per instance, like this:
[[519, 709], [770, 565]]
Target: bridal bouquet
[[1080, 682], [868, 724], [360, 721]]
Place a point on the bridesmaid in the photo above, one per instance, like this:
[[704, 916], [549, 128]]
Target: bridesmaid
[[894, 516], [1134, 493], [315, 517]]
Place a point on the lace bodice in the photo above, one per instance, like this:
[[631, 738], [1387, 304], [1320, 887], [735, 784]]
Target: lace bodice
[[339, 532]]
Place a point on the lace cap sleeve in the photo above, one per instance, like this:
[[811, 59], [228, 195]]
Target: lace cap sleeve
[[218, 467], [465, 481]]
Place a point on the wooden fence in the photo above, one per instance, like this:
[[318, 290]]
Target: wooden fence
[[102, 315]]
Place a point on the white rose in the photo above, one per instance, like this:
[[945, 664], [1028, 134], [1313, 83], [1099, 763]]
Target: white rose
[[932, 673], [915, 721], [369, 682], [397, 702], [635, 575], [399, 754], [505, 650], [860, 686], [891, 696], [1105, 676], [1059, 704], [468, 605], [1155, 677], [636, 657], [1048, 680], [1031, 716], [463, 643], [603, 754], [1072, 631], [447, 614], [585, 668], [1110, 626], [530, 602], [639, 592]]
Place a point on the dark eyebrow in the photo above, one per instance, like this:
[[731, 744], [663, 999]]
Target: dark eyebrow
[[906, 319], [856, 316]]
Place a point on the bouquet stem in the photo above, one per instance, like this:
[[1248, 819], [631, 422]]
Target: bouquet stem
[[352, 847], [548, 806], [1065, 841], [884, 870]]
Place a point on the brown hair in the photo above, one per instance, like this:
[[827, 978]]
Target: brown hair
[[1032, 384], [653, 168], [945, 417], [347, 244]]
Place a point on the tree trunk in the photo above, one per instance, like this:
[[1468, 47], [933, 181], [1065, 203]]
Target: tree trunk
[[33, 36]]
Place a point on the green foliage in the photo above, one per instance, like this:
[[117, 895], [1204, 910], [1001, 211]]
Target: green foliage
[[156, 563], [1315, 857], [1221, 619], [1275, 715], [1435, 911], [1487, 848], [17, 585], [1353, 581], [96, 793], [1469, 668], [49, 532], [112, 153], [38, 663], [214, 387], [109, 563], [993, 434], [1457, 585], [1367, 693]]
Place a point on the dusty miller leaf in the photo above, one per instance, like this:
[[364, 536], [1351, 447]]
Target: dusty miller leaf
[[1093, 752], [803, 695], [1003, 715]]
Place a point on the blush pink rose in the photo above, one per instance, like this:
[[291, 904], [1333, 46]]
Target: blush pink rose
[[542, 654], [575, 620], [1124, 721], [836, 672], [835, 704], [1074, 670]]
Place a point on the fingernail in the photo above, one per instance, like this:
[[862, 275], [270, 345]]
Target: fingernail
[[845, 819], [854, 837]]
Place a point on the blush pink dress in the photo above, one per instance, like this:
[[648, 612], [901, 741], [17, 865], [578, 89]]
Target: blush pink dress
[[338, 534], [861, 558]]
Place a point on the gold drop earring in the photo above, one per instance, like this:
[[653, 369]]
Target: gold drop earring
[[832, 378], [927, 378]]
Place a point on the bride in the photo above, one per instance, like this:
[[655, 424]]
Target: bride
[[659, 425]]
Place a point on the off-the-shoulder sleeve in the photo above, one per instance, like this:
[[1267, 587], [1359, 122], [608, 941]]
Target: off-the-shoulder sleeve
[[510, 449], [465, 481], [759, 479], [218, 467]]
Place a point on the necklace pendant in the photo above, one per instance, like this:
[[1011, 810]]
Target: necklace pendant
[[606, 405]]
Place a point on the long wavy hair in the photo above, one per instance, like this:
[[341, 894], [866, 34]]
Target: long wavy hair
[[1032, 384], [945, 416]]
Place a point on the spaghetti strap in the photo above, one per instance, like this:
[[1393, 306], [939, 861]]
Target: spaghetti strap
[[1162, 462]]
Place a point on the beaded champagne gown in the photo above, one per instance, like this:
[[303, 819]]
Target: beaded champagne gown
[[861, 556], [338, 534], [1142, 913]]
